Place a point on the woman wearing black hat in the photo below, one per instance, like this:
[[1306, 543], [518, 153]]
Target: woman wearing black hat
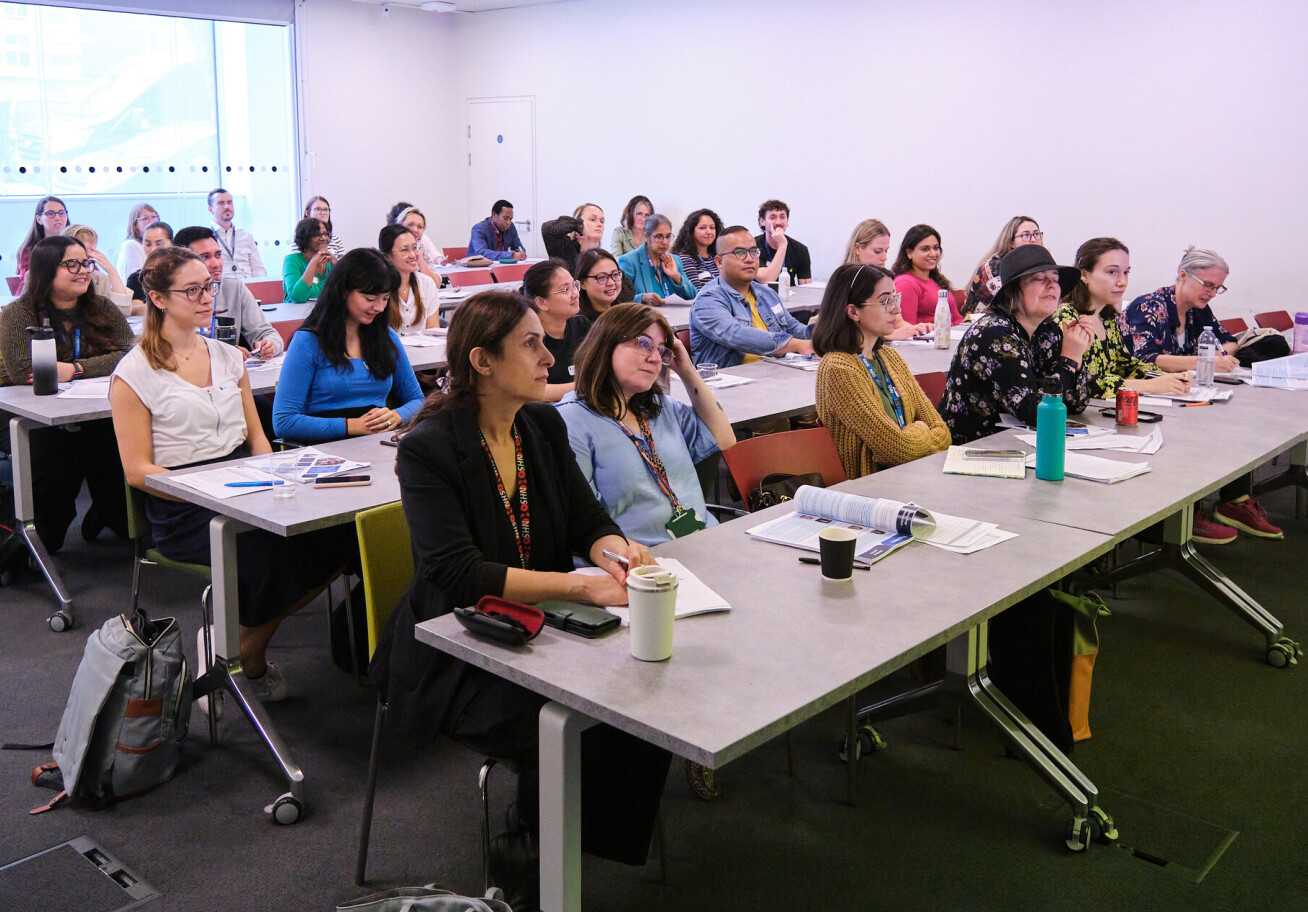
[[1006, 354]]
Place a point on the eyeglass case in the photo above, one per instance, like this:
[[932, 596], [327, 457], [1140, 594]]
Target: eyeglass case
[[501, 620]]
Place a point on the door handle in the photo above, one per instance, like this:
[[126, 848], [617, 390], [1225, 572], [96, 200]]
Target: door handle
[[525, 223]]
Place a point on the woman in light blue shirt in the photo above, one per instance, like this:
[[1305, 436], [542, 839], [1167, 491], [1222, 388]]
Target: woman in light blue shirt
[[637, 446]]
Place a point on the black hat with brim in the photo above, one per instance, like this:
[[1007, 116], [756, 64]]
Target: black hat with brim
[[1032, 258]]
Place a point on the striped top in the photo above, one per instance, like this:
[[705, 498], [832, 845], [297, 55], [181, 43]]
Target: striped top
[[693, 268]]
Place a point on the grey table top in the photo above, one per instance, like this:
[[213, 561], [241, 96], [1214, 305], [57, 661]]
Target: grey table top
[[778, 392]]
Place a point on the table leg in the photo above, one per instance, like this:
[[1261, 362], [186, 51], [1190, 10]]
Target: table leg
[[1296, 475], [560, 807], [20, 430]]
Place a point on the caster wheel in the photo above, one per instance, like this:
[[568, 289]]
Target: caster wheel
[[869, 741], [1283, 652], [286, 810], [61, 620], [1078, 834], [1102, 828], [494, 893]]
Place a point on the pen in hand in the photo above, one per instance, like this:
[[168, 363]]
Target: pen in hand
[[615, 556]]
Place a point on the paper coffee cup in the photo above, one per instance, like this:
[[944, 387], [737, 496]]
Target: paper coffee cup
[[836, 549], [652, 596]]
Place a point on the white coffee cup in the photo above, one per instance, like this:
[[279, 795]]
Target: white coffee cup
[[652, 595]]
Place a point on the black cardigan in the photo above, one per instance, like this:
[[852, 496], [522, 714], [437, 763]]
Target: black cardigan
[[463, 543]]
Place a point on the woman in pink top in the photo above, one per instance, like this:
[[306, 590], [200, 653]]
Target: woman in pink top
[[918, 278]]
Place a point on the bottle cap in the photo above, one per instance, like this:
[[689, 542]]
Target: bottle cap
[[1052, 386]]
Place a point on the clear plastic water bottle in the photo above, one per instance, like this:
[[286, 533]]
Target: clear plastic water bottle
[[1203, 375], [942, 319], [1051, 431], [783, 284], [1300, 332]]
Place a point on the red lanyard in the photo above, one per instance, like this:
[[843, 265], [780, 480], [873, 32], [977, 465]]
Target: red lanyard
[[521, 521], [651, 457]]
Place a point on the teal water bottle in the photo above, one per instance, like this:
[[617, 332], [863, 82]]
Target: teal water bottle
[[1051, 432]]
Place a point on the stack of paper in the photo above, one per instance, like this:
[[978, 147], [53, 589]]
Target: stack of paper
[[721, 381], [1096, 468], [1156, 400], [97, 388], [305, 465], [1290, 373], [1147, 445], [798, 361], [254, 364], [965, 536], [214, 482]]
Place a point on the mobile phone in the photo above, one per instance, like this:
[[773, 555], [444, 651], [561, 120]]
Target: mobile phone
[[267, 308], [342, 481], [387, 441]]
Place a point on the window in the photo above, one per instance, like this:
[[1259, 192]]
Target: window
[[106, 110]]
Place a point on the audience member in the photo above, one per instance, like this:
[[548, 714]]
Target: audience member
[[344, 364], [775, 243], [105, 280], [156, 236], [305, 271], [1007, 354], [654, 272], [496, 237], [91, 336], [569, 236], [918, 278], [554, 291], [413, 219], [868, 244], [318, 207], [694, 246], [867, 396], [131, 256], [240, 252], [415, 304], [1019, 230], [50, 221], [180, 399], [734, 318], [603, 283], [630, 232], [234, 300]]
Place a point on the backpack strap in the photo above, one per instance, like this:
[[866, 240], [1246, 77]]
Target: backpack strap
[[54, 802]]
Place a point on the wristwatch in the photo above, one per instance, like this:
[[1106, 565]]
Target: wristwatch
[[77, 370]]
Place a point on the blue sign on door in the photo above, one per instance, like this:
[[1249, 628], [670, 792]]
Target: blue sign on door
[[499, 138]]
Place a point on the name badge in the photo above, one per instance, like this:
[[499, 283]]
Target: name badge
[[572, 370], [778, 309]]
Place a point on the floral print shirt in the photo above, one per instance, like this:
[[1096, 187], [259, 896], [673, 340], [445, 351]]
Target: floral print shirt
[[1108, 361], [984, 285], [1150, 324], [998, 369]]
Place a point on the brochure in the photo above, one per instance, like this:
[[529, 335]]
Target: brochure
[[882, 525], [305, 465]]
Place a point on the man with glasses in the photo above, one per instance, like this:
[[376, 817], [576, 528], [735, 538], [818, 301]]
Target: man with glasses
[[496, 238], [735, 319], [773, 218], [232, 300], [240, 253]]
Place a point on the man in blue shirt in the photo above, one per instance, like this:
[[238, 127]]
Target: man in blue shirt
[[735, 319], [496, 238]]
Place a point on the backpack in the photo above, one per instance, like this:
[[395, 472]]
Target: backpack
[[1260, 344], [122, 729]]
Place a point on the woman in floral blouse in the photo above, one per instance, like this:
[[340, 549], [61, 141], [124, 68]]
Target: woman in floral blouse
[[1006, 354], [1017, 231], [1096, 299]]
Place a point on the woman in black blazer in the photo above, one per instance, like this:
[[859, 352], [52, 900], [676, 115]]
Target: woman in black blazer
[[497, 505]]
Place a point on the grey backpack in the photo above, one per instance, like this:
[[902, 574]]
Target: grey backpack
[[126, 716]]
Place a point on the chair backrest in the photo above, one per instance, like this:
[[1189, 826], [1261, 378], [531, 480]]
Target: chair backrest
[[1234, 326], [1278, 320], [511, 272], [387, 560], [15, 285], [471, 277], [270, 292], [933, 384], [454, 253], [790, 452], [137, 522], [683, 336], [286, 329]]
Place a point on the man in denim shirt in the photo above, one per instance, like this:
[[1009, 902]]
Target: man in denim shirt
[[734, 319]]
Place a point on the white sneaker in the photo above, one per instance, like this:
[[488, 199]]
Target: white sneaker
[[202, 668], [270, 686]]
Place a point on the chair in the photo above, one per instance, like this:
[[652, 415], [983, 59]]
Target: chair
[[791, 452], [683, 336], [471, 277], [933, 384], [1234, 326], [15, 285], [454, 253], [269, 292], [512, 272], [286, 329], [1278, 320]]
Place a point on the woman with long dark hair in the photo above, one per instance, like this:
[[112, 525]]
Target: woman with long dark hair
[[414, 304], [918, 278], [555, 293], [694, 246], [1017, 231], [50, 221], [603, 283], [344, 364]]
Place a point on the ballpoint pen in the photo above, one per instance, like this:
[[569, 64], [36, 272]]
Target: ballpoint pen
[[613, 555], [1194, 404], [818, 562], [253, 484]]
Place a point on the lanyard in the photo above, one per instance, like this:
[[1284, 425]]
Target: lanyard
[[660, 278], [230, 251], [886, 386], [652, 462], [521, 521], [77, 344]]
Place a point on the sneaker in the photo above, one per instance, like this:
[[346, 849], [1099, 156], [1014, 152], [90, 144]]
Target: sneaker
[[1207, 532], [701, 781], [202, 668], [270, 686], [1247, 515]]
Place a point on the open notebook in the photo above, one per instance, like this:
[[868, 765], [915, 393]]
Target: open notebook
[[693, 595]]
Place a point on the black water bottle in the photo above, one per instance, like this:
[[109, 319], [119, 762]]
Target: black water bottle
[[45, 360]]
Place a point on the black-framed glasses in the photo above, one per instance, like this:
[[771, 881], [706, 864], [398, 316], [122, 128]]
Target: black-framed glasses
[[745, 253], [647, 347], [54, 213], [567, 289], [606, 278], [76, 266], [1208, 286], [1029, 236], [320, 210], [195, 293]]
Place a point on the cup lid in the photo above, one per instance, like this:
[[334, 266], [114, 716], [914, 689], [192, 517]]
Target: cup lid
[[651, 579]]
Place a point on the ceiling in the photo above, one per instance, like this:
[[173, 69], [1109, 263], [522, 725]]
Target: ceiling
[[471, 6]]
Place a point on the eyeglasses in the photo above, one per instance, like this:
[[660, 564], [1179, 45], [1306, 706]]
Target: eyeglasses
[[402, 251], [647, 347], [660, 237], [148, 219], [566, 289], [890, 302], [76, 266], [1208, 286], [745, 253], [320, 210], [54, 213], [196, 293], [1030, 236], [606, 278]]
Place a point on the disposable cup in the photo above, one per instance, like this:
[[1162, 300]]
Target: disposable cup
[[707, 370], [285, 491], [836, 549], [652, 596]]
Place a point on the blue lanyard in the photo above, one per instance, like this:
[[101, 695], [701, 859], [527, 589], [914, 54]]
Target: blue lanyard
[[659, 277], [886, 386], [77, 344]]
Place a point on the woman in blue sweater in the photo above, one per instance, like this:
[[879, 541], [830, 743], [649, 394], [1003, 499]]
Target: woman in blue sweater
[[344, 364]]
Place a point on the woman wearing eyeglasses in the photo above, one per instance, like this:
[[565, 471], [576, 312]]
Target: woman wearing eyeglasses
[[603, 283], [555, 293], [91, 336], [630, 232], [182, 399], [1017, 231], [654, 272], [694, 246], [415, 304], [304, 272], [50, 221], [131, 256], [867, 396], [319, 208], [869, 244]]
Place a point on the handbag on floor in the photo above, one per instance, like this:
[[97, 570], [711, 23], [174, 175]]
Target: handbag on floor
[[780, 487], [421, 899], [1087, 609]]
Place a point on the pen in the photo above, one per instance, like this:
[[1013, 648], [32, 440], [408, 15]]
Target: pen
[[1194, 404], [253, 484], [814, 560], [613, 555]]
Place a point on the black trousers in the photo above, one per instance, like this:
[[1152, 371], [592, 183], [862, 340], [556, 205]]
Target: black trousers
[[62, 458], [622, 777]]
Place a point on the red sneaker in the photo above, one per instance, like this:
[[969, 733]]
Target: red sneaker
[[1247, 515], [1207, 532]]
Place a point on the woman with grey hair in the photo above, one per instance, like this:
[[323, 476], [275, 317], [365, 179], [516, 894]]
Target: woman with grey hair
[[654, 272]]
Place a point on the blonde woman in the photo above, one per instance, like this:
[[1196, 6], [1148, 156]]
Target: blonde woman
[[104, 277], [131, 256]]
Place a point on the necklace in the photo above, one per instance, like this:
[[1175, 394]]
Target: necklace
[[194, 346]]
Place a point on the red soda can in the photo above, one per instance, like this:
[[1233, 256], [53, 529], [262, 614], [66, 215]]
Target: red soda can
[[1128, 406]]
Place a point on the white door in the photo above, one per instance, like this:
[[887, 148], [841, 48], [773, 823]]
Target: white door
[[502, 162]]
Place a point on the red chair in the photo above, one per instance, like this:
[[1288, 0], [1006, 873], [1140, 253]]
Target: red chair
[[471, 277], [286, 329], [683, 335], [1234, 326], [933, 384], [512, 272], [790, 452], [454, 253], [1278, 320], [269, 292], [15, 285]]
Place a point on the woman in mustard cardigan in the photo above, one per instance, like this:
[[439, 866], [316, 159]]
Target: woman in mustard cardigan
[[867, 397]]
